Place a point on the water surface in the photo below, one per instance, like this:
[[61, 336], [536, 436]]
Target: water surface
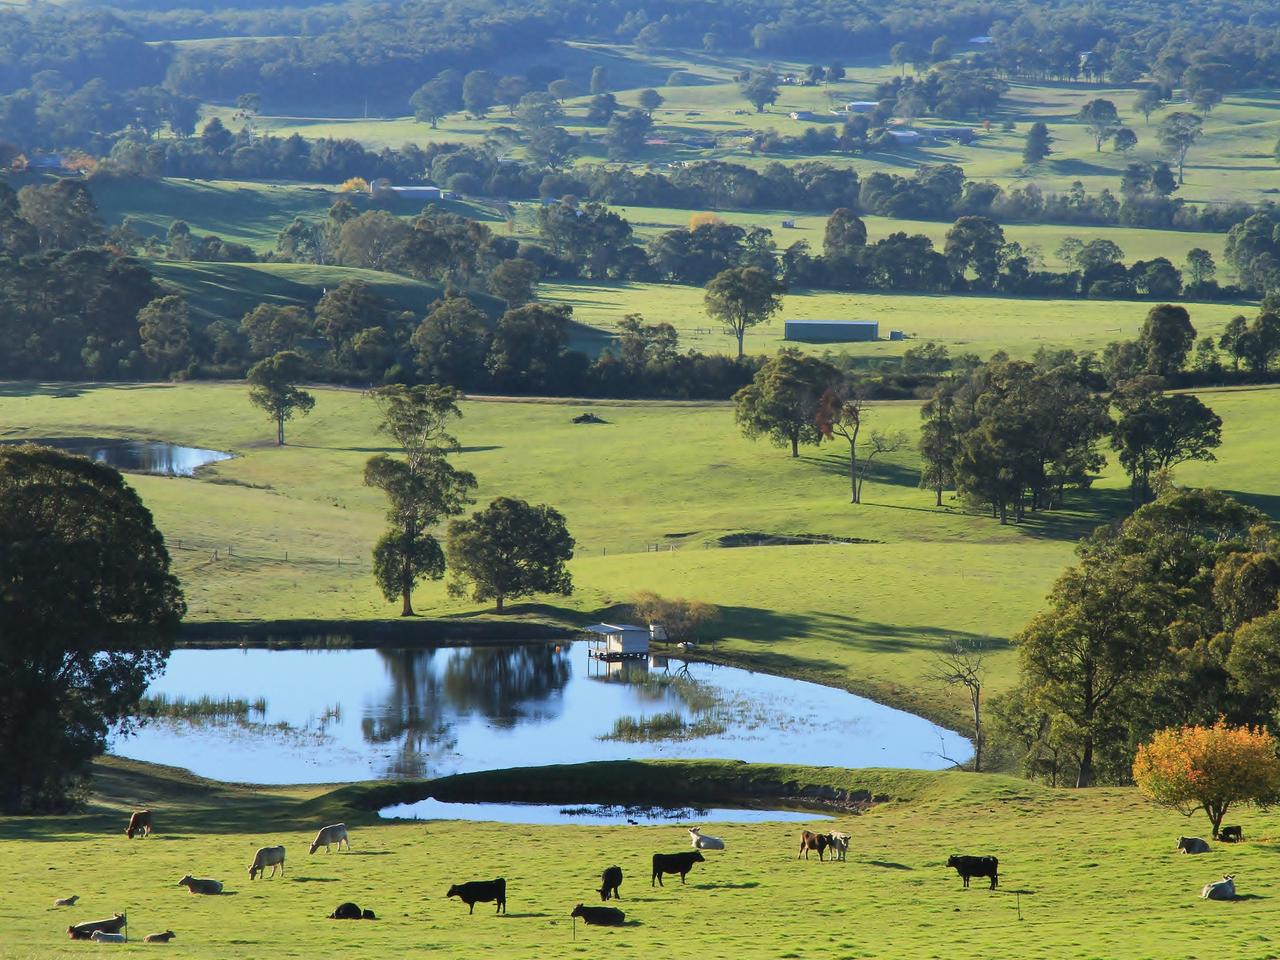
[[591, 815], [338, 715], [136, 456]]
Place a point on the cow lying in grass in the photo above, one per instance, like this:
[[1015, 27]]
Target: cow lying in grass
[[1224, 889], [351, 911], [1192, 845], [85, 930], [206, 887], [600, 916], [159, 937]]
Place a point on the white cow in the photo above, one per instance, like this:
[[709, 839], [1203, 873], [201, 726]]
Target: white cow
[[334, 833], [703, 841], [267, 857], [100, 937], [1224, 889], [838, 843]]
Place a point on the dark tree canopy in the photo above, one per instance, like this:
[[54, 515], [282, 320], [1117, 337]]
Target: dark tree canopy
[[781, 402], [88, 613], [510, 549]]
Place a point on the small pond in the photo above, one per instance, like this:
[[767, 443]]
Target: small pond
[[136, 456], [321, 716], [591, 815]]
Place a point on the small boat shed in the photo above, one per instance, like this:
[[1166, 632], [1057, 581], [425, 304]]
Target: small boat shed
[[618, 641]]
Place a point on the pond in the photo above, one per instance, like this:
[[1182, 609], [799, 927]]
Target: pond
[[590, 815], [320, 716], [136, 456]]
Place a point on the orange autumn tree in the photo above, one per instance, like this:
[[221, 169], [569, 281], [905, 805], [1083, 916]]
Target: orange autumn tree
[[1209, 769]]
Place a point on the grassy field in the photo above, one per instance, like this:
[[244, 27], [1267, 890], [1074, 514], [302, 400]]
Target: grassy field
[[1101, 854], [647, 514], [1233, 160], [966, 323]]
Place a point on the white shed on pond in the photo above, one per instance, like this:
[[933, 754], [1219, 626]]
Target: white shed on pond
[[618, 641]]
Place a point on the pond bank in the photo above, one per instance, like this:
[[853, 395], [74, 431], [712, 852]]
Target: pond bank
[[659, 782]]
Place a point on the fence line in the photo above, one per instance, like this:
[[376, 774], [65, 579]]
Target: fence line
[[222, 550]]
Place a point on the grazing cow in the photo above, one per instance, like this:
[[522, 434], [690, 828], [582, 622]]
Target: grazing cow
[[703, 841], [85, 930], [680, 863], [159, 937], [838, 844], [1224, 889], [813, 841], [139, 822], [99, 937], [610, 881], [1231, 834], [350, 911], [67, 901], [267, 857], [976, 867], [481, 891], [207, 887], [600, 916], [1192, 845], [334, 833]]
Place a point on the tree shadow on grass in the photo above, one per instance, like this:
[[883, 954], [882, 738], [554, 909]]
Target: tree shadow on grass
[[749, 885], [888, 865], [314, 879]]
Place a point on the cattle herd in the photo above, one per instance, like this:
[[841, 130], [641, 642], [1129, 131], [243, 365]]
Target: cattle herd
[[114, 929]]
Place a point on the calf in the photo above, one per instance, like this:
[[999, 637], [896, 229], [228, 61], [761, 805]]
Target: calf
[[99, 937], [1192, 845], [680, 863], [703, 841], [67, 901], [351, 911], [600, 916], [481, 891], [206, 887], [139, 822], [1231, 834], [159, 937], [85, 930], [813, 841], [839, 845], [610, 881], [267, 857], [975, 867], [335, 833]]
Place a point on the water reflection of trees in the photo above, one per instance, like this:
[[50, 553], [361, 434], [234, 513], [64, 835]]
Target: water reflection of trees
[[502, 684]]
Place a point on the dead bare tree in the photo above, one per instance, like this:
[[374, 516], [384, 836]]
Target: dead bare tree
[[964, 665]]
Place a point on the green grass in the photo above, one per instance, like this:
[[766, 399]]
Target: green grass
[[1100, 854], [1233, 160], [966, 323], [647, 496]]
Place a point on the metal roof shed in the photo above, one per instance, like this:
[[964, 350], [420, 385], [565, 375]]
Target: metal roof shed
[[831, 331], [618, 641]]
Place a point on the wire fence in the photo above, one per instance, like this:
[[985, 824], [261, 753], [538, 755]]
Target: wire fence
[[218, 551]]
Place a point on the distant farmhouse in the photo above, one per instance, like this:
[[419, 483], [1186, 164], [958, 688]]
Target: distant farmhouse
[[382, 189]]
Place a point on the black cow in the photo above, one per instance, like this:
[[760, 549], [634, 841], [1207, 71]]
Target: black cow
[[85, 930], [975, 867], [1231, 834], [610, 881], [351, 911], [680, 863], [481, 891], [600, 916]]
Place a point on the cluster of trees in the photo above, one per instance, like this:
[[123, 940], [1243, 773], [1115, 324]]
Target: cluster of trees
[[509, 549], [1167, 619], [71, 308]]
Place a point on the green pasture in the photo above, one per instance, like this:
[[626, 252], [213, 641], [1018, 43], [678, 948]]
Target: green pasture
[[1100, 854], [285, 533], [966, 323], [1233, 160]]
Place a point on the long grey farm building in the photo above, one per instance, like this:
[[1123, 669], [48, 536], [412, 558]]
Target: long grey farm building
[[831, 331]]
